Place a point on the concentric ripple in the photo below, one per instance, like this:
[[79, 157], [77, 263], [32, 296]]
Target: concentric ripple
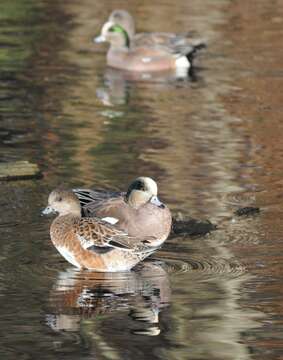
[[206, 265], [241, 198]]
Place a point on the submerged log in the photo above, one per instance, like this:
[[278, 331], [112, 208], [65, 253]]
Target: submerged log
[[19, 170]]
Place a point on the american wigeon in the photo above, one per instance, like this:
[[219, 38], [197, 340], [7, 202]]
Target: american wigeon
[[144, 52], [138, 212], [170, 40], [92, 243]]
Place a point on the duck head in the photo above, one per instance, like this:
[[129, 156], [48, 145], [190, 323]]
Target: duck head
[[124, 19], [115, 34], [63, 202], [142, 191]]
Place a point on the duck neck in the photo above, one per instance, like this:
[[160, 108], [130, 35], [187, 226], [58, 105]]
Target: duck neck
[[137, 198], [124, 40], [74, 212]]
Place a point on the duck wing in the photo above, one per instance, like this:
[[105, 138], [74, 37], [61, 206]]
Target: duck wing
[[112, 209], [93, 232], [87, 196]]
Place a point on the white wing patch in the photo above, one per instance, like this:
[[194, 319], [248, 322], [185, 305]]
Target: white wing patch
[[84, 242], [146, 59], [182, 62], [68, 255], [110, 220]]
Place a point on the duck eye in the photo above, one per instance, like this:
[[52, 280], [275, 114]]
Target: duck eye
[[115, 28], [59, 199], [138, 185]]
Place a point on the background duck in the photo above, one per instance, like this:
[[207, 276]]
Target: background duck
[[171, 40], [139, 53]]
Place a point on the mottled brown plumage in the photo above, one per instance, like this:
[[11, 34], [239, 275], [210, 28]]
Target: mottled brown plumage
[[90, 242]]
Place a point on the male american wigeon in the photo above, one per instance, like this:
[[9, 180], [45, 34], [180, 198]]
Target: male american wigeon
[[138, 212], [90, 242], [147, 51], [170, 40]]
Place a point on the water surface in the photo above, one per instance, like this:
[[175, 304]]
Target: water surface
[[213, 143]]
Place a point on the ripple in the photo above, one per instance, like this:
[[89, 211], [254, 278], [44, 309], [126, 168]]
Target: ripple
[[216, 266], [243, 231], [209, 265], [244, 198], [176, 266]]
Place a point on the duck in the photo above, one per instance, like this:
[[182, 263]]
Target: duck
[[138, 212], [171, 40], [93, 243], [144, 53]]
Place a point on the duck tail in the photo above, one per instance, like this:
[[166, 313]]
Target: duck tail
[[195, 48]]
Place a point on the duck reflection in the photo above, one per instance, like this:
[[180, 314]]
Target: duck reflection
[[115, 89], [110, 314], [138, 295]]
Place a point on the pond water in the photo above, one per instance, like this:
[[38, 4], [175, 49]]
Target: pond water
[[213, 143]]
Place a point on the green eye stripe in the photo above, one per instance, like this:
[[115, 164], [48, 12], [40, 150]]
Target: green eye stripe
[[119, 29]]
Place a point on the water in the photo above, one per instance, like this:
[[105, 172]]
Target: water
[[213, 143]]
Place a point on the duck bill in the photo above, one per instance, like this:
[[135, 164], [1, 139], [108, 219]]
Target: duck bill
[[48, 210], [155, 201], [99, 39]]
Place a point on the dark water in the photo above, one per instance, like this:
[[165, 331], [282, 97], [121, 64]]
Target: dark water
[[213, 143]]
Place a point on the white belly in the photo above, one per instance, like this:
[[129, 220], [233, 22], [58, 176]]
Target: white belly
[[68, 255]]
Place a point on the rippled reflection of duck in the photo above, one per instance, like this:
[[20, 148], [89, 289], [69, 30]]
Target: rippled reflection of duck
[[79, 295], [115, 89]]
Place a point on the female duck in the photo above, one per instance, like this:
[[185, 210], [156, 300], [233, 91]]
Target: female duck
[[90, 242]]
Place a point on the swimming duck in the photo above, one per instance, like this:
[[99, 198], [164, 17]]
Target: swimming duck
[[138, 212], [92, 243], [170, 40], [144, 52]]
